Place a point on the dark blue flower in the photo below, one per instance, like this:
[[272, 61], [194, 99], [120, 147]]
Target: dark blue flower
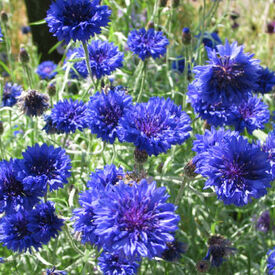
[[68, 115], [84, 216], [218, 249], [174, 251], [1, 35], [271, 261], [210, 40], [76, 56], [147, 43], [113, 264], [45, 163], [33, 103], [10, 93], [17, 194], [155, 126], [25, 29], [46, 70], [229, 77], [179, 64], [43, 223], [266, 80], [105, 111], [238, 170], [250, 114], [102, 178], [77, 19], [263, 223], [50, 127], [269, 148], [14, 233], [54, 271], [135, 220]]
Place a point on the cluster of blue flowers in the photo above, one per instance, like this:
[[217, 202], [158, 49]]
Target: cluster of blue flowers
[[128, 220], [28, 222]]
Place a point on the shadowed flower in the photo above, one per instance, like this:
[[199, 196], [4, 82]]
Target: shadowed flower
[[135, 220], [14, 233], [271, 261], [174, 251], [46, 70], [33, 103], [210, 40], [113, 264], [238, 170], [14, 193], [50, 127], [155, 126], [25, 29], [45, 163], [218, 248], [10, 93], [266, 80], [105, 111], [68, 115], [147, 43], [269, 148], [229, 77], [102, 178], [77, 19], [43, 223], [263, 223]]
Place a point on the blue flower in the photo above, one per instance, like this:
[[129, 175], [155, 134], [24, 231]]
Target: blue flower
[[76, 56], [46, 70], [25, 29], [33, 103], [269, 148], [134, 221], [10, 93], [68, 115], [45, 163], [113, 264], [174, 251], [147, 43], [155, 126], [54, 271], [105, 111], [266, 80], [238, 170], [43, 223], [103, 178], [250, 114], [77, 19], [230, 76], [218, 249], [50, 127], [17, 194], [210, 40], [1, 35], [14, 233], [263, 223], [84, 216], [271, 261]]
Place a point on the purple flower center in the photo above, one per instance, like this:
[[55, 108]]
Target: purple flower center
[[111, 115], [150, 126], [13, 187]]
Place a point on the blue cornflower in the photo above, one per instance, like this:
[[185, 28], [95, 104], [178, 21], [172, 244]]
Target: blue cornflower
[[263, 223], [271, 261], [219, 248], [238, 170], [210, 40], [102, 178], [269, 148], [68, 115], [17, 194], [155, 126], [229, 77], [54, 271], [43, 223], [10, 93], [84, 216], [250, 114], [147, 43], [135, 220], [77, 19], [114, 264], [52, 165], [76, 56], [174, 251], [105, 111], [14, 233], [266, 80], [1, 35], [46, 70], [33, 103], [25, 29]]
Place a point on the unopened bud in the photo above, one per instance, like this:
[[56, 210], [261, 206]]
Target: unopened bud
[[163, 3], [51, 89], [189, 169], [202, 266], [23, 55], [150, 25], [140, 156], [186, 36], [4, 17]]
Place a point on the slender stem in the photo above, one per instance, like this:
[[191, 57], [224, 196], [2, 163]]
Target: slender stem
[[142, 81], [88, 64], [65, 140], [180, 192]]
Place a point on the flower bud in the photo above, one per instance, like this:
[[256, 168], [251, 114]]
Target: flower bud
[[51, 89], [202, 266], [4, 17], [23, 55], [186, 36], [150, 25], [1, 128], [189, 169]]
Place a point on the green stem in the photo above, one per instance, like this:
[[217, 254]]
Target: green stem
[[143, 72], [65, 139], [88, 64], [180, 192], [66, 229]]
